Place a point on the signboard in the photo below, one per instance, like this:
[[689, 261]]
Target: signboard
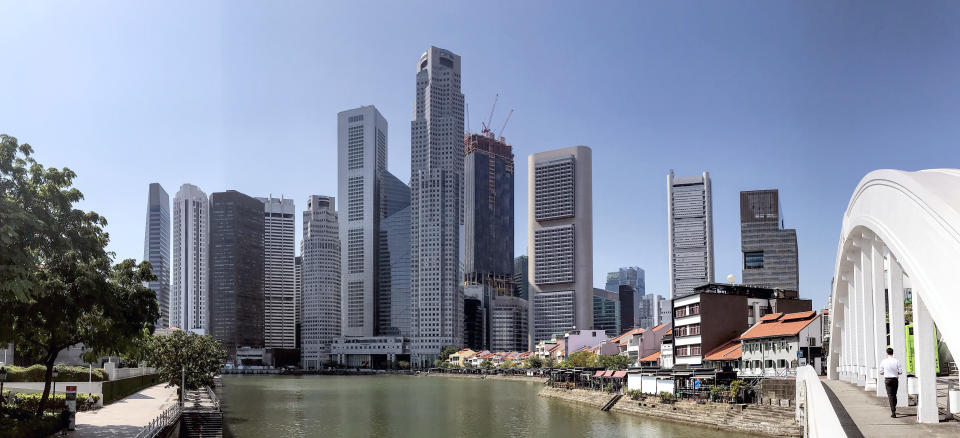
[[71, 397], [696, 384], [911, 353]]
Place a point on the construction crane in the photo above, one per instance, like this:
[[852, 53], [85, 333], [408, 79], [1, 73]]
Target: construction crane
[[486, 126], [505, 124]]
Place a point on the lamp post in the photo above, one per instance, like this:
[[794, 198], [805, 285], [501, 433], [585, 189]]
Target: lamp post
[[3, 378], [55, 373]]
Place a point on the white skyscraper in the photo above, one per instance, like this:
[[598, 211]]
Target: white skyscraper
[[280, 294], [362, 161], [436, 206], [690, 228], [188, 291], [320, 276], [560, 235]]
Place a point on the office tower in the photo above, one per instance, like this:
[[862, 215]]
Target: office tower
[[606, 312], [510, 328], [320, 250], [436, 206], [488, 201], [690, 229], [280, 306], [188, 297], [654, 310], [298, 292], [633, 276], [560, 232], [362, 158], [629, 307], [474, 320], [156, 248], [769, 250], [521, 277], [394, 258], [237, 255]]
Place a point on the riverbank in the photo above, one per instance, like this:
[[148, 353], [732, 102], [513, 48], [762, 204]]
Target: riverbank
[[487, 376], [755, 419]]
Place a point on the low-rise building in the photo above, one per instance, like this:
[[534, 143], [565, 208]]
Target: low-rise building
[[646, 342], [378, 352], [577, 339], [781, 342], [460, 358], [652, 360], [725, 357], [666, 350]]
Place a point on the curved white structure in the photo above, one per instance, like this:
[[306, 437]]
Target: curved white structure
[[901, 231]]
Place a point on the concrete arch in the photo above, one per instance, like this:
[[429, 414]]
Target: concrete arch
[[900, 229]]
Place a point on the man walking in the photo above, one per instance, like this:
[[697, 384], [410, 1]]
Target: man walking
[[891, 371]]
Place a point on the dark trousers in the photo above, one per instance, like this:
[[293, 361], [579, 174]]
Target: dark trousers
[[892, 383]]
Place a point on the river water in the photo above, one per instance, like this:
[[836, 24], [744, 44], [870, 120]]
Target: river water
[[420, 407]]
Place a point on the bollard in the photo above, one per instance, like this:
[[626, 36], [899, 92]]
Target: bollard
[[71, 398], [912, 386], [954, 401]]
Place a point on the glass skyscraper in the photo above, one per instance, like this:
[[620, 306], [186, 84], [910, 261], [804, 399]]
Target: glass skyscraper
[[770, 256], [156, 248], [690, 229]]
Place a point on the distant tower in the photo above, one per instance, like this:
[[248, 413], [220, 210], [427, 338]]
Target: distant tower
[[156, 248], [560, 233], [279, 220], [188, 298], [769, 250], [436, 206], [320, 251], [690, 229]]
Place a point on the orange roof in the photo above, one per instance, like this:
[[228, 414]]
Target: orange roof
[[626, 334], [728, 351], [651, 358], [779, 324], [554, 347], [669, 332], [660, 326]]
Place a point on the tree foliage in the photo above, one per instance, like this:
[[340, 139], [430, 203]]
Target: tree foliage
[[57, 285], [447, 351], [614, 362], [200, 357], [487, 364], [533, 362], [581, 359], [508, 363]]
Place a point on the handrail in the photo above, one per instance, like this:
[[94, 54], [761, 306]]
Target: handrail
[[815, 413], [166, 418]]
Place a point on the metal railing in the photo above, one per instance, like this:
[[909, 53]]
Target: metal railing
[[166, 418]]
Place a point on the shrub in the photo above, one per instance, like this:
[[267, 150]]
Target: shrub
[[35, 373], [666, 397], [55, 403], [717, 392], [737, 389], [635, 394], [29, 426]]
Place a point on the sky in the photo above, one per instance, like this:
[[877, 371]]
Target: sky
[[804, 97]]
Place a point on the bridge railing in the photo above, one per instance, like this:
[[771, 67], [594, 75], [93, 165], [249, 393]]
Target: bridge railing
[[815, 413], [166, 418]]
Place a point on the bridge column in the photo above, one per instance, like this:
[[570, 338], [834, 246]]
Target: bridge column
[[898, 337], [847, 333], [879, 317], [857, 335], [834, 355], [924, 362], [868, 341]]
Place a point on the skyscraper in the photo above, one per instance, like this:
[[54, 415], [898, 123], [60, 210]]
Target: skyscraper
[[188, 298], [521, 276], [769, 250], [560, 224], [298, 266], [631, 275], [236, 271], [690, 229], [488, 200], [436, 206], [362, 160], [320, 250], [394, 258], [510, 324], [156, 248], [279, 220], [606, 312]]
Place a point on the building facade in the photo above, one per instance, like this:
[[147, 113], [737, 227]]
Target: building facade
[[488, 201], [237, 272], [280, 292], [189, 280], [690, 230], [362, 159], [770, 256], [156, 248], [320, 250], [394, 258], [436, 206], [607, 312], [631, 275], [629, 307], [521, 279], [510, 328], [560, 234]]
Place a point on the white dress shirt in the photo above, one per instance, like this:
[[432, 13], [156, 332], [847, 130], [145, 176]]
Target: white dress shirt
[[891, 367]]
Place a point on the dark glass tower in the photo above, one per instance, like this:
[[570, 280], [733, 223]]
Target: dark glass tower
[[769, 250], [488, 199], [156, 248], [236, 271]]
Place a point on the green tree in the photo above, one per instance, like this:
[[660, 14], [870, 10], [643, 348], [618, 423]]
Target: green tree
[[549, 362], [581, 359], [447, 351], [614, 362], [507, 364], [487, 364], [198, 357], [533, 362]]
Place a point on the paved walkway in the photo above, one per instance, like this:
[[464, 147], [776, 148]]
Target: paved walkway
[[124, 418], [863, 414]]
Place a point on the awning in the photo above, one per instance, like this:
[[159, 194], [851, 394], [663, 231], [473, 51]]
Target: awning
[[608, 373], [598, 374], [619, 374]]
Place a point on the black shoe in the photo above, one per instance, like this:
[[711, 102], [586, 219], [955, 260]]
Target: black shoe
[[893, 415]]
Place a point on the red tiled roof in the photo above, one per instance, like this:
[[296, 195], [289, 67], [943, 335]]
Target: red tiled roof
[[651, 358], [660, 326], [626, 334], [728, 351], [669, 332], [779, 324], [619, 374]]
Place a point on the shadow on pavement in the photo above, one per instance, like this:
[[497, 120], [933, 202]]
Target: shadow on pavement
[[846, 422]]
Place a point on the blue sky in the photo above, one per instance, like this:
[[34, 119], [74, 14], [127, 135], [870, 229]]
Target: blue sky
[[805, 97]]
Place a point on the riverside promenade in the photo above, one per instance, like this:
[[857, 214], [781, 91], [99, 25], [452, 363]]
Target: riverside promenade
[[863, 414], [125, 417]]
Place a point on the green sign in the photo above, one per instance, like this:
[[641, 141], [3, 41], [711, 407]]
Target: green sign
[[911, 363]]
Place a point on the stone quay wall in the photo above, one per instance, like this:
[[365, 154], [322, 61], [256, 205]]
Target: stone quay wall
[[749, 418]]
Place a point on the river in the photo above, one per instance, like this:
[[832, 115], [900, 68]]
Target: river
[[421, 407]]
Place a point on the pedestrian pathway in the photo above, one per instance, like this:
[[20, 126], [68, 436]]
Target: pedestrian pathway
[[863, 414], [124, 418]]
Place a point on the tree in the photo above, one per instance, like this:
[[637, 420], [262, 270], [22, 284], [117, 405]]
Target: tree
[[614, 362], [447, 351], [549, 362], [533, 362], [57, 285], [486, 364], [581, 359], [507, 364], [198, 357]]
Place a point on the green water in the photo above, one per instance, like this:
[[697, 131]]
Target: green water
[[422, 407]]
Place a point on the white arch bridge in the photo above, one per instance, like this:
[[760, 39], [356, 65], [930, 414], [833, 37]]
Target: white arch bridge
[[900, 237]]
